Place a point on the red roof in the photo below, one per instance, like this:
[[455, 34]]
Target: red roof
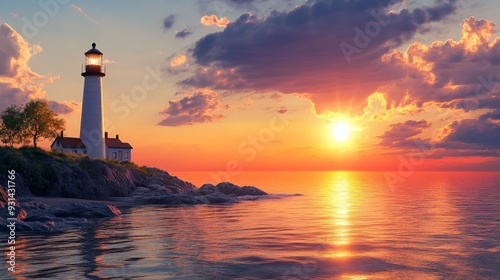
[[69, 142], [116, 143]]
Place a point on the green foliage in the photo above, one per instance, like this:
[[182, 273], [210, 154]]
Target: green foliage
[[12, 125], [42, 169], [34, 122], [130, 165], [86, 164], [41, 122], [26, 161]]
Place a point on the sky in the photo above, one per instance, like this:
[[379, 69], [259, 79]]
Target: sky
[[241, 85]]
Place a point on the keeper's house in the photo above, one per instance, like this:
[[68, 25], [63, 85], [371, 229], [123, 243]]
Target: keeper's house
[[115, 148]]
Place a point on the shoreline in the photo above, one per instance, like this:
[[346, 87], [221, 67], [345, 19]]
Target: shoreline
[[58, 201]]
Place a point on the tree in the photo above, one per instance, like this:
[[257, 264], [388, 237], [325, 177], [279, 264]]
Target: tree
[[12, 126], [41, 122]]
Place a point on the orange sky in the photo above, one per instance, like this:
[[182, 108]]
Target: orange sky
[[233, 91]]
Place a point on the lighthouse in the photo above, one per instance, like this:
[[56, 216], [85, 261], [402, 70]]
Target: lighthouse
[[94, 141], [92, 125]]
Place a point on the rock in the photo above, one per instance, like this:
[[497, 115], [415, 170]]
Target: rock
[[220, 198], [249, 190], [229, 189], [87, 210], [72, 176], [207, 189], [19, 213]]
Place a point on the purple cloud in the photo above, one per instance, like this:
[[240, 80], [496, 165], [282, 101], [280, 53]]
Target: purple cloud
[[197, 108]]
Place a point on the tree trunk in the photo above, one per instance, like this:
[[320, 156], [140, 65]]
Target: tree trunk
[[34, 141]]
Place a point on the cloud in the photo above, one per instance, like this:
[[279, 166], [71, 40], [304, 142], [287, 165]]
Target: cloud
[[213, 20], [462, 138], [83, 13], [454, 74], [183, 33], [168, 22], [299, 51], [178, 60], [18, 83], [201, 107], [476, 134], [108, 61], [402, 135], [282, 110], [63, 108]]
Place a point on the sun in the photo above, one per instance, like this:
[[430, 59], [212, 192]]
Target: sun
[[341, 131]]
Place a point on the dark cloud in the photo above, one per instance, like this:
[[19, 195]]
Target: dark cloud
[[197, 108], [479, 134], [465, 138], [402, 135], [183, 33], [493, 115], [301, 50], [168, 22]]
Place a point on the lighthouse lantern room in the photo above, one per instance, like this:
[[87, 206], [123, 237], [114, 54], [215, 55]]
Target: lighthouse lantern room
[[93, 63]]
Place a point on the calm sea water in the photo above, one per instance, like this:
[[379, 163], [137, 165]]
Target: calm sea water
[[346, 225]]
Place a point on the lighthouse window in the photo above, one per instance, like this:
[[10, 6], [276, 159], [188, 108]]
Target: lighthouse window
[[93, 59]]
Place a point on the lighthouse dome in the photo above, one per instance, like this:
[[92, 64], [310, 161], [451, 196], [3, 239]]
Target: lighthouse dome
[[93, 50]]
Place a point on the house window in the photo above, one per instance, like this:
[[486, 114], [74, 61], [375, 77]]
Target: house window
[[114, 154], [126, 155], [85, 152], [120, 154]]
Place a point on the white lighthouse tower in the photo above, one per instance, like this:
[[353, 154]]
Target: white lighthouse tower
[[92, 125]]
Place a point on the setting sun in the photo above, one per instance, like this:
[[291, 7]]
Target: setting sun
[[341, 131]]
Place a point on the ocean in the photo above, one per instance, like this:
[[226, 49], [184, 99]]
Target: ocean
[[343, 225]]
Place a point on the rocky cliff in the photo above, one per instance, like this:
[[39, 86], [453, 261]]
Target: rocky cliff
[[44, 173], [51, 174]]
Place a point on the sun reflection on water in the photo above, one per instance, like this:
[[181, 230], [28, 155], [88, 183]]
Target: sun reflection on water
[[340, 200]]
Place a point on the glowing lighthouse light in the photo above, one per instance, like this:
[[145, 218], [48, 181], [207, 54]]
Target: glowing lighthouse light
[[93, 60]]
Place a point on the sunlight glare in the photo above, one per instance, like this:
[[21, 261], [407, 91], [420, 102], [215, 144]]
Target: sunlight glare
[[341, 131]]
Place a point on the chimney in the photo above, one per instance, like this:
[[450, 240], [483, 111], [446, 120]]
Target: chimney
[[106, 134], [62, 134], [117, 136]]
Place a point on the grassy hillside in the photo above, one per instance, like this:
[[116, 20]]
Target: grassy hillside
[[69, 175]]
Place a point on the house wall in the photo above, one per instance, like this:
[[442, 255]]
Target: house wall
[[79, 151], [126, 154]]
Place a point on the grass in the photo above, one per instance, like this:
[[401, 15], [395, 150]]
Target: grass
[[41, 168]]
